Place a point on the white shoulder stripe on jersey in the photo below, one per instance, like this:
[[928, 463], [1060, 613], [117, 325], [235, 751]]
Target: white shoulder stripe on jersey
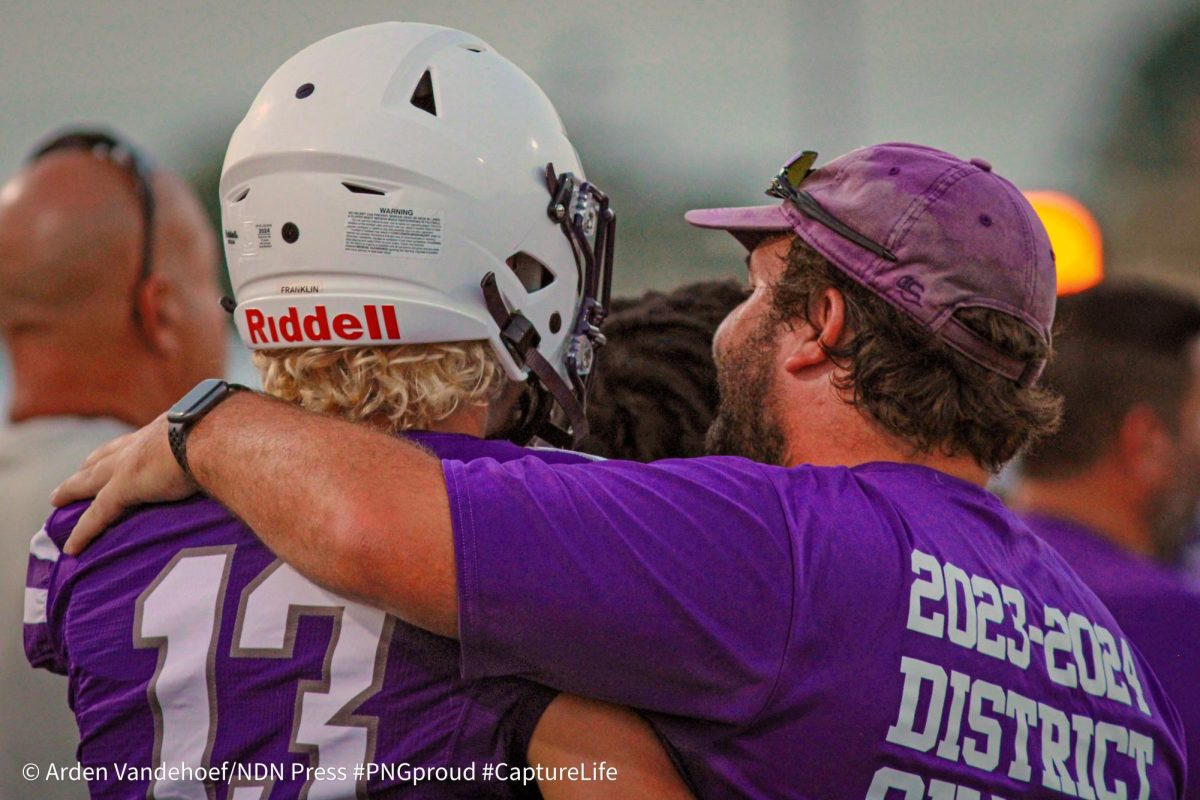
[[35, 606], [43, 548]]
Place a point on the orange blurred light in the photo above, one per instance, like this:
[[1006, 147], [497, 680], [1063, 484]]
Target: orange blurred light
[[1075, 237]]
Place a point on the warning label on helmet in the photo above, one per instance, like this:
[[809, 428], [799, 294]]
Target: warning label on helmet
[[394, 231], [254, 236], [264, 235]]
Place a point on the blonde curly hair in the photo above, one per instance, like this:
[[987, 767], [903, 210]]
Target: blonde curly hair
[[401, 387]]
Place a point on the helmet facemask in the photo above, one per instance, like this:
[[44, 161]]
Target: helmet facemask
[[590, 225]]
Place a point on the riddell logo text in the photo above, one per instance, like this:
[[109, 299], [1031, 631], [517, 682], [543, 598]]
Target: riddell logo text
[[377, 322]]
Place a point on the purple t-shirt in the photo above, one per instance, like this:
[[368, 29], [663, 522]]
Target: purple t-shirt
[[186, 642], [1158, 607], [885, 632]]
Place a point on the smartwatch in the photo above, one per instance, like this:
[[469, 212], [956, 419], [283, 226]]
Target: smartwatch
[[190, 409]]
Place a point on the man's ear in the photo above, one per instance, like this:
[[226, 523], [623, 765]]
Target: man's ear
[[159, 315], [806, 343], [1144, 446]]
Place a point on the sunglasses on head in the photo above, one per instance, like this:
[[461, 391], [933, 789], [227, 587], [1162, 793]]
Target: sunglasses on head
[[127, 157], [785, 186]]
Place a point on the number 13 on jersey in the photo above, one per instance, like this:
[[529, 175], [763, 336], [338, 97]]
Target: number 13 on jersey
[[180, 613]]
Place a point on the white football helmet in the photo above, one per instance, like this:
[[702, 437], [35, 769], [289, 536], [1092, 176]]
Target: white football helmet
[[403, 183]]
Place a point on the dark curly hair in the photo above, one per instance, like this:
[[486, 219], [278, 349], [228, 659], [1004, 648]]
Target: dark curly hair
[[655, 392], [912, 385]]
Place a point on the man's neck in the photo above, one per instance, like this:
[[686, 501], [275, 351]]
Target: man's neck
[[846, 440], [469, 421], [1092, 503], [49, 382], [963, 468]]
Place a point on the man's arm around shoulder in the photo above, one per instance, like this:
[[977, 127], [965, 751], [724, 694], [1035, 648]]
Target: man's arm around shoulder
[[360, 512]]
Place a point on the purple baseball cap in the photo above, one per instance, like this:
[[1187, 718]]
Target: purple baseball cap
[[927, 232]]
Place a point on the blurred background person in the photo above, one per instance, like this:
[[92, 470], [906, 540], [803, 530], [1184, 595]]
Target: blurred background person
[[655, 391], [1115, 490], [109, 312]]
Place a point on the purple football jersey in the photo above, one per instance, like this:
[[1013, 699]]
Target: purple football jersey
[[1157, 607], [187, 643], [885, 632]]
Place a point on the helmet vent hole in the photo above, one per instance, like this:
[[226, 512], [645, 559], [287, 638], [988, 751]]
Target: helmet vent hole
[[360, 189], [243, 195], [555, 322], [532, 273], [474, 48], [422, 96]]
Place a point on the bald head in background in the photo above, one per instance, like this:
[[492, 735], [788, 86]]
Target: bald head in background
[[94, 351], [86, 335]]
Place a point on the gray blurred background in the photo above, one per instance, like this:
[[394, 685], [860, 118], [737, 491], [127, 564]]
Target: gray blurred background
[[674, 105]]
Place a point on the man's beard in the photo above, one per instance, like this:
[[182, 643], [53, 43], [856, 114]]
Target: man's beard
[[745, 424]]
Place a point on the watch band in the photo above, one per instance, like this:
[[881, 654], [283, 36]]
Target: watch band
[[177, 437], [192, 408]]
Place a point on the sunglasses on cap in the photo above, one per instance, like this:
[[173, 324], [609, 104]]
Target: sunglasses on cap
[[112, 148], [785, 187]]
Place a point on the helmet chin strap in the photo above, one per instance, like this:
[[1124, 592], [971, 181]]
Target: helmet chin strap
[[522, 340]]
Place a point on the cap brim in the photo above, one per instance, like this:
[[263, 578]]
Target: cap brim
[[748, 224]]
